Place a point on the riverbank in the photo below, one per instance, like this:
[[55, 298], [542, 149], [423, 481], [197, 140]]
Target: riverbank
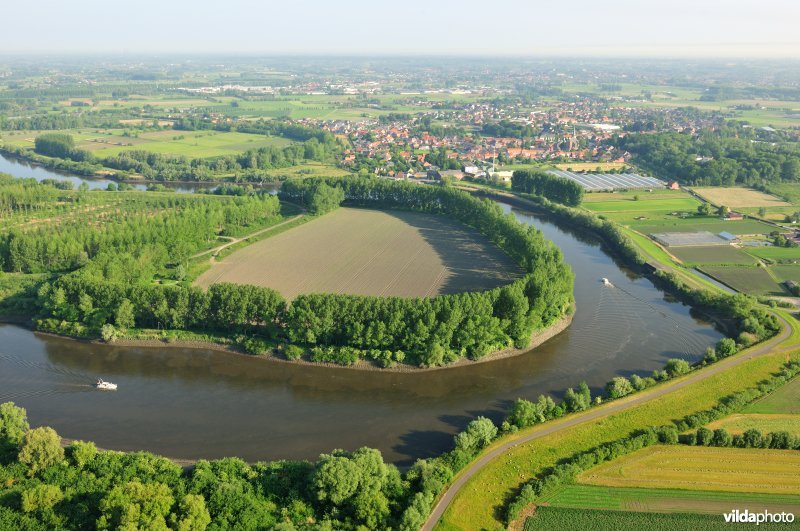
[[537, 339], [69, 169]]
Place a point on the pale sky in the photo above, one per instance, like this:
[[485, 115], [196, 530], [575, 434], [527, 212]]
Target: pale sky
[[693, 28]]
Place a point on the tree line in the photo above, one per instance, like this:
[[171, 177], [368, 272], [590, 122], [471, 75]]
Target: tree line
[[710, 159], [434, 331], [47, 486], [552, 187], [117, 270]]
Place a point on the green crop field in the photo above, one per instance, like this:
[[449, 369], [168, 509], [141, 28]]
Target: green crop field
[[480, 502], [191, 144], [369, 252], [702, 468], [786, 399], [628, 195], [677, 204], [776, 254], [787, 272], [558, 519], [766, 423], [661, 500], [309, 168], [752, 280], [710, 224], [714, 254]]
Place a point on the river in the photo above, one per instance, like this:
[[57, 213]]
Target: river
[[197, 403], [21, 168]]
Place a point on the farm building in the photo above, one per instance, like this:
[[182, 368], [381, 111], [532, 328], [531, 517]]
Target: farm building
[[686, 239], [728, 236], [611, 181], [734, 216], [674, 185]]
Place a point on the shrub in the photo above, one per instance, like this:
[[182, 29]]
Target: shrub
[[618, 387], [293, 352], [41, 448], [676, 367]]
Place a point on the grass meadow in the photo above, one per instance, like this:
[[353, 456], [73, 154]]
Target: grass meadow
[[481, 502], [785, 400], [766, 423], [558, 518], [190, 144], [702, 468]]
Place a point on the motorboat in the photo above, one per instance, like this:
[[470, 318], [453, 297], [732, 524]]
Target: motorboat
[[607, 282], [105, 386]]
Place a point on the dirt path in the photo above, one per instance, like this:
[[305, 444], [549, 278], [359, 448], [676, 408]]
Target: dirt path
[[598, 413], [232, 241]]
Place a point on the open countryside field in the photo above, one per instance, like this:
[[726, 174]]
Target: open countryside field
[[714, 254], [701, 468], [783, 400], [308, 168], [481, 501], [776, 254], [658, 500], [710, 223], [643, 195], [765, 423], [191, 144], [557, 519], [788, 191], [646, 204], [368, 252], [751, 280], [787, 272], [736, 197]]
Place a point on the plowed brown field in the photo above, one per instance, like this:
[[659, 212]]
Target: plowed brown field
[[369, 252]]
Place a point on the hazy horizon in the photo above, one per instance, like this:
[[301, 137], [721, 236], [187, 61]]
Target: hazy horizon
[[618, 28]]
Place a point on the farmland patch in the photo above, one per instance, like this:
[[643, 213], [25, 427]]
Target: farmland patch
[[369, 252], [702, 468]]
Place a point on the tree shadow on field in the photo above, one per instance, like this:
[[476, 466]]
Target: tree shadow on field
[[473, 262]]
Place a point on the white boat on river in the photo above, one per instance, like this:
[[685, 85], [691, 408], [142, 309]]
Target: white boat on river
[[105, 386]]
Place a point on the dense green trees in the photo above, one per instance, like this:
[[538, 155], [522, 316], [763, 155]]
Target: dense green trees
[[552, 187], [55, 145], [39, 449], [162, 229], [317, 196], [712, 159], [106, 276], [86, 489], [436, 330], [92, 302]]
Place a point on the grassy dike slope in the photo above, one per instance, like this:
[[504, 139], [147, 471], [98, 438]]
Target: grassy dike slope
[[481, 503]]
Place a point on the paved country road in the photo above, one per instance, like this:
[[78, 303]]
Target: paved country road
[[599, 412]]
